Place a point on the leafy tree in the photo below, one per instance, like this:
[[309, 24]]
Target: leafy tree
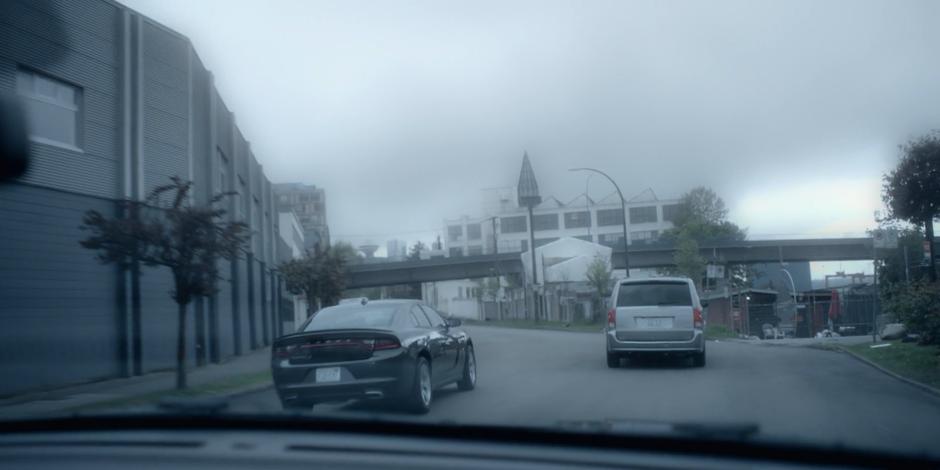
[[702, 215], [891, 265], [165, 229], [912, 190], [320, 274], [599, 277], [700, 218], [415, 253], [688, 261]]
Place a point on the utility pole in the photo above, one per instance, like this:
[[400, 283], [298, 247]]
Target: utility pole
[[623, 208]]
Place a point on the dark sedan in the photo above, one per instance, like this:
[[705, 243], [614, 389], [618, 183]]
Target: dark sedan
[[398, 351]]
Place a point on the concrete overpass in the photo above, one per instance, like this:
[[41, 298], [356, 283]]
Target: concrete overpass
[[641, 256]]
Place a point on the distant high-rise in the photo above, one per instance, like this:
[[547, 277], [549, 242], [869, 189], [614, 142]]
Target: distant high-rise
[[396, 249], [308, 202]]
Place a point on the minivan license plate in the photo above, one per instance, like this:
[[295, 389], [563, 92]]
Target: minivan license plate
[[328, 374], [654, 322]]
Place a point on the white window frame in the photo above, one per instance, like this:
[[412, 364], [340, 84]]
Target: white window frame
[[76, 106]]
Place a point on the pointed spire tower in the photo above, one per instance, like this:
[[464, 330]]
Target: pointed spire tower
[[528, 192], [528, 188]]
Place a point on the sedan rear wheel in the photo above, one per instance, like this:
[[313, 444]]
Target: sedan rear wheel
[[421, 394], [469, 379]]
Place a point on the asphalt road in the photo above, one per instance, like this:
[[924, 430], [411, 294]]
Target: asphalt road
[[529, 377]]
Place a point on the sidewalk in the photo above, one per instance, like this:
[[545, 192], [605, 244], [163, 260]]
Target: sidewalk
[[842, 340], [237, 375]]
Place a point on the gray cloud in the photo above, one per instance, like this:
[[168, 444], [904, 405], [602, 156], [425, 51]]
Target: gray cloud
[[404, 110]]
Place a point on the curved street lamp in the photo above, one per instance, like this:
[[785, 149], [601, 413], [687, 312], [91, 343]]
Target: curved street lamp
[[623, 207]]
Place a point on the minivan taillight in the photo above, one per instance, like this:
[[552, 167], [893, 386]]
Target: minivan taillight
[[697, 321], [612, 318]]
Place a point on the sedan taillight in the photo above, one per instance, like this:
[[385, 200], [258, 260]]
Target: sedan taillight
[[385, 343], [284, 352]]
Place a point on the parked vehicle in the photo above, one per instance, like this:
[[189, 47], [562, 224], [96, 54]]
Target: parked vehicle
[[397, 351], [655, 316]]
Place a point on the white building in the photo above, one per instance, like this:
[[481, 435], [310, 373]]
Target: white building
[[504, 227], [455, 298], [292, 233]]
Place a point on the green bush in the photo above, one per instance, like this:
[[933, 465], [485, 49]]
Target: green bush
[[718, 331], [917, 306]]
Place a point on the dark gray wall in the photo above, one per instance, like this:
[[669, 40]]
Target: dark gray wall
[[59, 312], [64, 317]]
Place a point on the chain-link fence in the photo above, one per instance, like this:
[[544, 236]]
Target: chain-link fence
[[849, 315]]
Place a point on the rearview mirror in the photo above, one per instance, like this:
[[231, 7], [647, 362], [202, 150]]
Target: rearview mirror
[[454, 322]]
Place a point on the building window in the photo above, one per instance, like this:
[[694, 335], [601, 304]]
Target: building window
[[473, 232], [475, 250], [640, 215], [241, 207], [644, 236], [454, 252], [669, 212], [608, 217], [586, 238], [514, 224], [223, 173], [524, 246], [577, 219], [544, 241], [545, 221], [611, 239], [52, 108], [454, 232]]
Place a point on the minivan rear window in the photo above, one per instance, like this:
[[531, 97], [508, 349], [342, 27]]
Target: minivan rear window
[[644, 294]]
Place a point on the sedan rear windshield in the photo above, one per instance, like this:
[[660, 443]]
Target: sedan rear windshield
[[643, 294], [353, 316]]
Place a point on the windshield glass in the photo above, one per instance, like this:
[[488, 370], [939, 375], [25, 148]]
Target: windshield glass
[[352, 317], [654, 293], [491, 212]]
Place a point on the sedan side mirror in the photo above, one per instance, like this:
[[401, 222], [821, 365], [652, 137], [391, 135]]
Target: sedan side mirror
[[452, 322], [704, 304]]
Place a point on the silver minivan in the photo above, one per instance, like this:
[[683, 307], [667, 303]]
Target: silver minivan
[[660, 315]]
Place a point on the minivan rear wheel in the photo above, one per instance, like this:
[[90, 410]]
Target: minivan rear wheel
[[698, 359], [613, 360]]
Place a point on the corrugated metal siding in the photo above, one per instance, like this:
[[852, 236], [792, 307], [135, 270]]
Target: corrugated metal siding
[[243, 301], [166, 123], [58, 309], [200, 126], [241, 163], [157, 319], [224, 307], [259, 316], [87, 57], [223, 126]]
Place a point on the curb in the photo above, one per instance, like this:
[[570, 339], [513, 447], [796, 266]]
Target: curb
[[247, 390], [927, 388]]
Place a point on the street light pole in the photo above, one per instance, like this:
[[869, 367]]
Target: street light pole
[[796, 310], [623, 208]]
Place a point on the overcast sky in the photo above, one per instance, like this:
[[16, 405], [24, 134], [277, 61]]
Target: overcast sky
[[403, 111]]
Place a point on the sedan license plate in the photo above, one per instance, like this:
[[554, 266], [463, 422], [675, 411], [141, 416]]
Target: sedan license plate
[[654, 322], [328, 374]]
